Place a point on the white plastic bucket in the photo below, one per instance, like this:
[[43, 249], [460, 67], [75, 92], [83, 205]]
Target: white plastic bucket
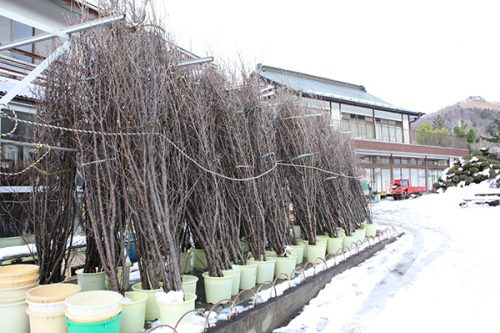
[[14, 318], [93, 306], [44, 308]]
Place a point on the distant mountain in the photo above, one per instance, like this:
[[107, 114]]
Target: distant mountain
[[475, 111]]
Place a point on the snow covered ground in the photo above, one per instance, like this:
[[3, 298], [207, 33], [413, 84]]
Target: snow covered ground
[[443, 275]]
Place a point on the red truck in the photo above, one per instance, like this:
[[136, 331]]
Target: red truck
[[401, 189]]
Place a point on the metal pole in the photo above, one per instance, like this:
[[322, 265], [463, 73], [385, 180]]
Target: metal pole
[[14, 91], [34, 145], [64, 32], [195, 62]]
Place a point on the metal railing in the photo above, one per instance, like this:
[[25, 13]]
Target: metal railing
[[396, 134]]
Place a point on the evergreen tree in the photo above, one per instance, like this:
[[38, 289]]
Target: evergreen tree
[[494, 133], [469, 134], [438, 123]]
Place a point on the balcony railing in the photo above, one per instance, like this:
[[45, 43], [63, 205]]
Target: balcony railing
[[388, 133]]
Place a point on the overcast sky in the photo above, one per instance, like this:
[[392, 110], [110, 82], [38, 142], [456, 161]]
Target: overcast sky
[[421, 55]]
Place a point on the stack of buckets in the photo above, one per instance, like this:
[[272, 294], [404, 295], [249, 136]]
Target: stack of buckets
[[46, 308], [96, 311], [15, 280]]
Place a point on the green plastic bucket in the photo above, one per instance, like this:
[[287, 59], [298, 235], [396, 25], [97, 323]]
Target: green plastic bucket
[[189, 283], [348, 242], [236, 279], [304, 243], [152, 311], [106, 326], [298, 251], [335, 245], [371, 230], [284, 267], [248, 275], [265, 270], [133, 313], [170, 313], [91, 281], [200, 260], [296, 231], [218, 288], [186, 262], [315, 252]]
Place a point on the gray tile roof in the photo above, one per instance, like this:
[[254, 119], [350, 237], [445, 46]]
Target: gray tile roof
[[326, 88]]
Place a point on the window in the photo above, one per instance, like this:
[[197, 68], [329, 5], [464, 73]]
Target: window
[[389, 130], [421, 177], [360, 126], [20, 31], [396, 173]]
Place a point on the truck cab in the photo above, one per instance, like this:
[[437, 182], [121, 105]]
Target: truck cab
[[401, 189]]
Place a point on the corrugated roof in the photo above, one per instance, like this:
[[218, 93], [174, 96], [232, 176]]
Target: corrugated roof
[[326, 88], [7, 84]]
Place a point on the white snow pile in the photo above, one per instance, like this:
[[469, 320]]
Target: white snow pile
[[126, 300], [441, 276], [30, 249], [170, 297]]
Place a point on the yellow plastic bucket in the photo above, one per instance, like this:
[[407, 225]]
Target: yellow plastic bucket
[[52, 293], [12, 273], [47, 322], [17, 292], [170, 313], [24, 282]]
